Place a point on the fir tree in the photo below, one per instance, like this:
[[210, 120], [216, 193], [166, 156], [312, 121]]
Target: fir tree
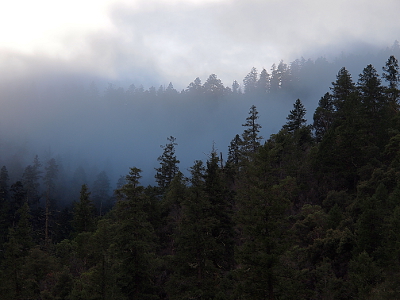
[[250, 82], [323, 116], [49, 181], [83, 214], [263, 83], [250, 138], [296, 118], [168, 165], [134, 241], [392, 76], [342, 88]]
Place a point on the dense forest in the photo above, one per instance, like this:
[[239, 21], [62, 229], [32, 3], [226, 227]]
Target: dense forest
[[312, 212]]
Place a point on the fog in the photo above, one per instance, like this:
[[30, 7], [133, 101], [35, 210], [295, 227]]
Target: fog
[[104, 125], [66, 74]]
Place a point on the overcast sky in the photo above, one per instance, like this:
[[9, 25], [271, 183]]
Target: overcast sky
[[157, 41]]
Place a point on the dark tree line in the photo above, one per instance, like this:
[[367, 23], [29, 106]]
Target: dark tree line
[[312, 212]]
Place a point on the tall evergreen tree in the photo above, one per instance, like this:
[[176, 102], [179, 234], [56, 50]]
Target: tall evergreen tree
[[4, 205], [168, 165], [195, 88], [250, 138], [371, 91], [236, 88], [14, 282], [250, 82], [134, 241], [221, 204], [392, 76], [234, 155], [323, 116], [18, 198], [30, 180], [83, 214], [296, 118], [262, 223], [342, 89], [263, 83], [213, 87], [49, 181], [196, 246]]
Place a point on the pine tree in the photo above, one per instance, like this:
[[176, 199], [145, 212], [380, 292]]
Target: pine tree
[[279, 77], [213, 87], [18, 198], [371, 91], [134, 241], [323, 116], [195, 88], [169, 165], [250, 82], [236, 88], [392, 76], [30, 180], [250, 137], [234, 151], [263, 83], [83, 214], [195, 246], [4, 205], [221, 204], [342, 89], [296, 118], [16, 251], [49, 181], [262, 222]]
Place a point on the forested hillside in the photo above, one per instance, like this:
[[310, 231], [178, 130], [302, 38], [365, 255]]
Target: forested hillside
[[310, 212]]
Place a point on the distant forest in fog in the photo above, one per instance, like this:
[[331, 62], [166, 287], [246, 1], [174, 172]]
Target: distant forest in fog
[[96, 130]]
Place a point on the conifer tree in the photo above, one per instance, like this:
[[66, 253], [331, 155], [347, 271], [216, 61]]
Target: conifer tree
[[84, 210], [392, 76], [263, 83], [250, 82], [371, 91], [342, 89], [195, 245], [250, 138], [234, 151], [296, 118], [236, 88], [4, 205], [261, 221], [134, 241], [30, 180], [221, 204], [18, 198], [168, 165], [16, 251], [195, 88], [213, 87], [49, 181], [323, 116]]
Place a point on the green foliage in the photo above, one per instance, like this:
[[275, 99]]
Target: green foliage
[[262, 221], [392, 76], [84, 210], [290, 219], [250, 137], [168, 165], [296, 120], [323, 116]]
